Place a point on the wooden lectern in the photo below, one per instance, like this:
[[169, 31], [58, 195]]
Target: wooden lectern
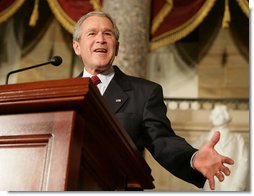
[[59, 135]]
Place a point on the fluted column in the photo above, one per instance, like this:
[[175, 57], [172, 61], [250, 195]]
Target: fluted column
[[132, 18]]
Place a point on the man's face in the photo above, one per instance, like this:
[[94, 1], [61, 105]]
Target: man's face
[[98, 45]]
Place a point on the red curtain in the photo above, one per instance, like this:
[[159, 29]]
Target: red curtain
[[5, 4], [68, 12], [8, 8], [171, 19], [181, 12], [75, 9], [174, 19]]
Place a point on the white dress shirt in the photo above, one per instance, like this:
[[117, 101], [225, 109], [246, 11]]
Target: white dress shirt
[[105, 78]]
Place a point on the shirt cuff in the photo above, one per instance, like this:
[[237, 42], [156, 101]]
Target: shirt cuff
[[191, 161]]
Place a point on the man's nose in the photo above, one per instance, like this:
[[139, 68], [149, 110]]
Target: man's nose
[[100, 38]]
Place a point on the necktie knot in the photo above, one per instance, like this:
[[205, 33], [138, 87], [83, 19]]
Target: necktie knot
[[96, 80]]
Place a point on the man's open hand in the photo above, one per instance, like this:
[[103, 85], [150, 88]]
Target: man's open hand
[[210, 163]]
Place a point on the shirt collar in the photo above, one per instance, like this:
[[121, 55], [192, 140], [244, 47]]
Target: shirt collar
[[105, 76], [108, 72]]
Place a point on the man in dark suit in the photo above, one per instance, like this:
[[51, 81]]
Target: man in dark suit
[[139, 106]]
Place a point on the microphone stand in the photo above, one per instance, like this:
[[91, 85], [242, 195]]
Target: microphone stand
[[23, 69], [56, 60]]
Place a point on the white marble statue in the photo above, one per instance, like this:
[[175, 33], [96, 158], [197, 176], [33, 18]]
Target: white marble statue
[[232, 145]]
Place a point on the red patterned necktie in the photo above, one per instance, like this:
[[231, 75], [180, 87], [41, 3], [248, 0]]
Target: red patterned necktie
[[96, 80]]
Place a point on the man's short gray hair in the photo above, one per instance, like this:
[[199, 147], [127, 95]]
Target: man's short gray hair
[[77, 32]]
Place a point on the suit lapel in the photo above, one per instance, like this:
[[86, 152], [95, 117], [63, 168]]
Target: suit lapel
[[115, 93], [115, 96]]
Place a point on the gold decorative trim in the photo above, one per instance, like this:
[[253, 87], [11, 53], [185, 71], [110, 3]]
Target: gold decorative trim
[[96, 4], [244, 5], [4, 15], [65, 20], [183, 30], [35, 14], [165, 10], [226, 18]]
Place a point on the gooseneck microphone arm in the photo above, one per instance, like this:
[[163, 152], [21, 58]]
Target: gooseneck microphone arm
[[23, 69], [56, 60]]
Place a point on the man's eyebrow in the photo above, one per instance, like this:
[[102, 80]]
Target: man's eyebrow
[[107, 29], [94, 29], [90, 29]]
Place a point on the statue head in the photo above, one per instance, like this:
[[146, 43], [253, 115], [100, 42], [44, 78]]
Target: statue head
[[220, 115]]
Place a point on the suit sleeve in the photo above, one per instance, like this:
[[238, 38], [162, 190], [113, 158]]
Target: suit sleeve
[[170, 150]]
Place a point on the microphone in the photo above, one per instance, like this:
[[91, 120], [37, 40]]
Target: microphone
[[56, 61]]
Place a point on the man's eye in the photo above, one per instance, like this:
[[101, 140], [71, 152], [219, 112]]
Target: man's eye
[[91, 33], [108, 33]]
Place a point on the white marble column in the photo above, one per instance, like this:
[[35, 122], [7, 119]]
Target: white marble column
[[133, 20]]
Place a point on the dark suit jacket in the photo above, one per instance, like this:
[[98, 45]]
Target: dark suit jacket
[[142, 113]]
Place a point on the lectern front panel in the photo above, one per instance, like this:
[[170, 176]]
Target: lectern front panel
[[34, 151]]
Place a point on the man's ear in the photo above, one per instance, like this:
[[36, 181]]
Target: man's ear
[[76, 47], [117, 47]]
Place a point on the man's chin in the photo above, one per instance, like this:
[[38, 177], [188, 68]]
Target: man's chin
[[102, 68]]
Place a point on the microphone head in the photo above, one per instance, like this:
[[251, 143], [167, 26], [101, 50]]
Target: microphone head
[[56, 60]]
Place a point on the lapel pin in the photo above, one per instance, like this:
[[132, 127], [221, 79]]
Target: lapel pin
[[118, 100]]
